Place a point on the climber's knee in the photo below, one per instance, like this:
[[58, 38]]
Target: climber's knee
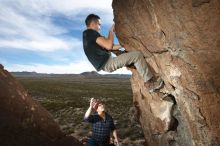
[[139, 54]]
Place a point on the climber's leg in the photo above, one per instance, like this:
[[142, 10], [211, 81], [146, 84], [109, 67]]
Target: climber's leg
[[122, 60], [137, 58]]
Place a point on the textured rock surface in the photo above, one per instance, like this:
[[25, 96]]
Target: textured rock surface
[[23, 122], [181, 42]]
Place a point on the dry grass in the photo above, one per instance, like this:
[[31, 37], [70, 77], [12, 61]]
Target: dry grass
[[67, 99]]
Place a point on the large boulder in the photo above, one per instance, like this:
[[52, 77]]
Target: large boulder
[[23, 121], [181, 43]]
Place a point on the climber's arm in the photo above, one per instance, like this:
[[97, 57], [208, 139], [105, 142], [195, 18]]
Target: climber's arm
[[107, 43], [117, 47]]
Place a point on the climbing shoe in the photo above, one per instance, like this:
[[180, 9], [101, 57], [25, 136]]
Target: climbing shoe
[[154, 84]]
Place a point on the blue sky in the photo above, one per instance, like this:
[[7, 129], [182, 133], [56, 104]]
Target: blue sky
[[46, 35]]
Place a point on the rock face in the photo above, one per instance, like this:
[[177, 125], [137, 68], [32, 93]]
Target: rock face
[[23, 122], [181, 43]]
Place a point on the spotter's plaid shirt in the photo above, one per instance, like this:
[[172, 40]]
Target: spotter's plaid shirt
[[101, 128]]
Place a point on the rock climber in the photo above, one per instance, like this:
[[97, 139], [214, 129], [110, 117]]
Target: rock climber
[[102, 125], [98, 51]]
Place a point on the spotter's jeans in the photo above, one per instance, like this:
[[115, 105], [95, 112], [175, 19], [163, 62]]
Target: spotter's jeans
[[92, 142]]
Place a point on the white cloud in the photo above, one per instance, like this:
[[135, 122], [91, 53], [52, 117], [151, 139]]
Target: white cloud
[[44, 45], [42, 68], [22, 32], [123, 70], [78, 67], [72, 6]]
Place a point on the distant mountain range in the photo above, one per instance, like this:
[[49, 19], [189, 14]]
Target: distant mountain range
[[92, 73], [84, 74]]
